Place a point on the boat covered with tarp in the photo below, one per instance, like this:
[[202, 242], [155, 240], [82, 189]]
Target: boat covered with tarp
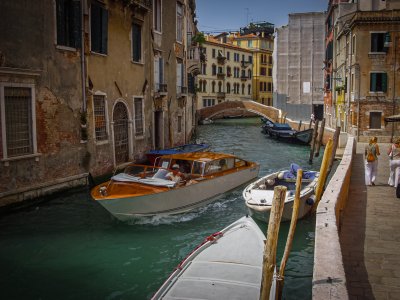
[[285, 133], [258, 195], [226, 265]]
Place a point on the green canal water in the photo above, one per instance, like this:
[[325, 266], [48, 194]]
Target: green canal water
[[71, 248]]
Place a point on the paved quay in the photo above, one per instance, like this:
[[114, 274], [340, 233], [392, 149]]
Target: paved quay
[[370, 233]]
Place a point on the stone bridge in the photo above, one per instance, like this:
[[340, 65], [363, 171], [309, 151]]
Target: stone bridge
[[268, 112]]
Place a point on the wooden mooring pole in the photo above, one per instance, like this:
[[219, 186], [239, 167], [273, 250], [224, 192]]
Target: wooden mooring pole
[[320, 137], [269, 259], [314, 138], [334, 148], [323, 173], [289, 240], [299, 126]]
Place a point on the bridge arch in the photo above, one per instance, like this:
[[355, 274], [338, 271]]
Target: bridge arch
[[271, 113]]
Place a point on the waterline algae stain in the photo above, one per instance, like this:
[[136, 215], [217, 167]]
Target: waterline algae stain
[[71, 248]]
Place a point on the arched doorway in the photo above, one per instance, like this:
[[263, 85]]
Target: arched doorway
[[121, 139]]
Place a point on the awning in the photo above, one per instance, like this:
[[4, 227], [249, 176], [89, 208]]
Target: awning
[[394, 118]]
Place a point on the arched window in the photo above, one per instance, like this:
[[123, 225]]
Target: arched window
[[204, 85], [219, 86], [213, 87], [228, 88], [242, 88], [228, 71], [249, 89], [214, 69], [249, 74]]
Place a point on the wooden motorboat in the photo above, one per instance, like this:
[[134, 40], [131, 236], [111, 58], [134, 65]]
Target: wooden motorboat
[[153, 155], [144, 190], [227, 265], [259, 194], [285, 133], [206, 121]]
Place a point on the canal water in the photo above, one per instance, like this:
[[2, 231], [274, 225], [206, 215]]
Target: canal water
[[71, 248]]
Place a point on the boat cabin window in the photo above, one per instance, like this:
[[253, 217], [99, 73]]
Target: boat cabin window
[[164, 163], [219, 165], [198, 168], [239, 163]]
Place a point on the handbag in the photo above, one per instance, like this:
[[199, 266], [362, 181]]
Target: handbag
[[370, 156]]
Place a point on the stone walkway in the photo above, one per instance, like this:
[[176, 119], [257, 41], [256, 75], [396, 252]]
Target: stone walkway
[[370, 233]]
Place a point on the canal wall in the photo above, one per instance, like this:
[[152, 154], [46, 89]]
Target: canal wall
[[329, 280]]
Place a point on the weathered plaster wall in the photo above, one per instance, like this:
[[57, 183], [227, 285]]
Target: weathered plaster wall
[[30, 55]]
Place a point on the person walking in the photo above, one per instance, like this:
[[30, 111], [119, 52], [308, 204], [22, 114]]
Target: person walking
[[371, 157], [394, 155]]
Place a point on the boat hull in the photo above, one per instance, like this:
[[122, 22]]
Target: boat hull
[[227, 265], [261, 211], [178, 200]]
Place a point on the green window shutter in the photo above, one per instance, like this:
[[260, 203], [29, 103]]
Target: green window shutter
[[372, 82], [384, 82]]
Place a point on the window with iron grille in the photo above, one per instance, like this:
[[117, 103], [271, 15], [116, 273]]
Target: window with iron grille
[[377, 42], [100, 117], [99, 28], [139, 117], [378, 82], [68, 15], [17, 104]]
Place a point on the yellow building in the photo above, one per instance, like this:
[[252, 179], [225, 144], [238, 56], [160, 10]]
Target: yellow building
[[258, 37]]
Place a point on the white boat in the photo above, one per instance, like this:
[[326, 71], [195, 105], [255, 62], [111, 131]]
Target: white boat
[[147, 190], [227, 265], [206, 121], [258, 195]]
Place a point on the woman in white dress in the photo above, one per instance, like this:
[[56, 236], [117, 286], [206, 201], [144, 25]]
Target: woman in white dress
[[371, 157], [394, 154]]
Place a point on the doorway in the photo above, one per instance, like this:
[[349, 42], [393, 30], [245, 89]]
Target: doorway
[[158, 129]]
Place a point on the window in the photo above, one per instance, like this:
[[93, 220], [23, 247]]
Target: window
[[219, 87], [179, 124], [158, 73], [263, 71], [136, 42], [180, 78], [18, 120], [179, 21], [228, 87], [269, 87], [139, 128], [228, 71], [250, 59], [269, 71], [249, 74], [242, 88], [270, 60], [249, 89], [228, 55], [214, 70], [375, 120], [378, 82], [68, 14], [204, 85], [377, 41], [250, 44], [203, 69], [157, 15], [99, 28], [100, 121], [213, 86], [213, 53]]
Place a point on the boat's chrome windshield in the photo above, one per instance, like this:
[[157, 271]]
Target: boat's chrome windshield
[[149, 175]]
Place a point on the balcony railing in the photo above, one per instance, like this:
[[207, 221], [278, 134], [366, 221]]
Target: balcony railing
[[245, 63], [221, 75], [221, 60], [181, 90], [221, 95], [144, 4], [161, 88]]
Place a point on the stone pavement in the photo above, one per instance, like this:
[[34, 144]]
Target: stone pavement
[[370, 233]]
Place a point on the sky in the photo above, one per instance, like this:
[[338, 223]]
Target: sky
[[229, 15]]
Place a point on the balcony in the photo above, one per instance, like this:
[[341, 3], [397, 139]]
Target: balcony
[[221, 60], [142, 4], [220, 95], [161, 89], [181, 91], [243, 78], [245, 63], [220, 75]]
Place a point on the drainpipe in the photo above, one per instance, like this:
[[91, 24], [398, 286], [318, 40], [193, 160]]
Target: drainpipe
[[83, 73]]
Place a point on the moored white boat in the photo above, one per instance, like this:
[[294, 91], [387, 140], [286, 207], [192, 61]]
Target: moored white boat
[[227, 265], [147, 190], [258, 195]]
